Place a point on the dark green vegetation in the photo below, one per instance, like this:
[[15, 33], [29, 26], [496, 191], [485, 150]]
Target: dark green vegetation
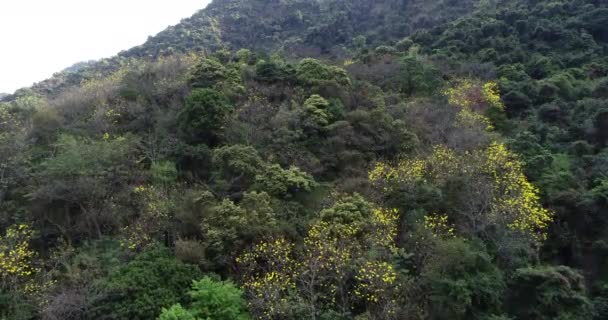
[[298, 159]]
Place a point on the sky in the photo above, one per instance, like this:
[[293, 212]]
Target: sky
[[41, 37]]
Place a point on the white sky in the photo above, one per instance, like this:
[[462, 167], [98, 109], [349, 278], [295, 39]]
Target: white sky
[[41, 37]]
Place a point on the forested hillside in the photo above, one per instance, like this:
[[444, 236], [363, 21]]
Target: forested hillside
[[335, 159]]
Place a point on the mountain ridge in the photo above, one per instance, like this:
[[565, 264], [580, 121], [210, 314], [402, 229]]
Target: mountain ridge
[[230, 24]]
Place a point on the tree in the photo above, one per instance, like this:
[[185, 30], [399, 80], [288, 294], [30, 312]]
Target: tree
[[488, 188], [463, 281], [89, 174], [359, 42], [219, 75], [269, 272], [176, 312], [228, 227], [548, 292], [203, 117], [140, 288], [274, 71], [312, 72], [416, 77], [284, 183], [154, 212], [208, 73], [16, 256], [316, 108], [347, 255], [344, 263], [244, 56], [236, 167], [476, 102], [211, 299], [13, 145], [18, 271], [217, 300], [163, 173]]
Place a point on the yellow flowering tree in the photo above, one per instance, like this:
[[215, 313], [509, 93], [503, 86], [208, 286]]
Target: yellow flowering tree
[[269, 273], [476, 100], [514, 196], [344, 261], [376, 283], [17, 258], [492, 188], [351, 244], [326, 265], [154, 207]]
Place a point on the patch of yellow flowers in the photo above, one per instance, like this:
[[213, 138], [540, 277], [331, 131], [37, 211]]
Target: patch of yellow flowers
[[516, 196], [473, 98], [438, 224], [16, 256], [374, 280]]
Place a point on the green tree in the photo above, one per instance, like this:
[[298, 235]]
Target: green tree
[[217, 300], [284, 183], [208, 73], [316, 108], [13, 145], [229, 227], [88, 174], [204, 116], [139, 289], [211, 300], [236, 166], [463, 281], [274, 71], [548, 292], [312, 72], [176, 312], [219, 75], [163, 172], [244, 56], [359, 42]]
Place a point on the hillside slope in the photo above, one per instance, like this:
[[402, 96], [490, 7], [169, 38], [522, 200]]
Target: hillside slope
[[341, 159]]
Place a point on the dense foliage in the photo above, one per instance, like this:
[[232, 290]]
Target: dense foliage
[[336, 159]]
